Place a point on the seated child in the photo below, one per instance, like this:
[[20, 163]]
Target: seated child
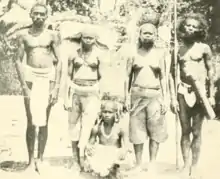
[[107, 144]]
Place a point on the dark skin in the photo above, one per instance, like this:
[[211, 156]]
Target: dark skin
[[87, 44], [41, 53], [193, 127], [147, 38]]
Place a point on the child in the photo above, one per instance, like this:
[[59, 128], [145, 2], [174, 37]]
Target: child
[[103, 157]]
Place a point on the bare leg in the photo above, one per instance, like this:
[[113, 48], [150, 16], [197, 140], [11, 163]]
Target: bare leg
[[153, 150], [74, 117], [186, 130], [138, 150], [75, 151], [30, 134], [42, 136], [196, 142]]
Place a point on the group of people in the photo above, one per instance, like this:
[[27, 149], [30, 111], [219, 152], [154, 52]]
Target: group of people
[[95, 124]]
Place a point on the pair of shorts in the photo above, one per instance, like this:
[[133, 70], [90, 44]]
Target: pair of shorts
[[146, 120]]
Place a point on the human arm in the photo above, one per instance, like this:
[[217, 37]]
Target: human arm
[[210, 70], [56, 50], [90, 148], [67, 100], [124, 143], [163, 81], [18, 58], [172, 81]]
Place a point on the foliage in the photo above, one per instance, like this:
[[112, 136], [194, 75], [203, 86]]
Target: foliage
[[117, 19]]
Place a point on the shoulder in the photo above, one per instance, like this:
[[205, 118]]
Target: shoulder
[[95, 129], [206, 48], [22, 33]]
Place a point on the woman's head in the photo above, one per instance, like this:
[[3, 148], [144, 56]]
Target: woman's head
[[147, 34], [109, 111], [193, 27], [88, 37]]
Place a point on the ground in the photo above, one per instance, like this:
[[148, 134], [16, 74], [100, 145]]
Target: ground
[[57, 154]]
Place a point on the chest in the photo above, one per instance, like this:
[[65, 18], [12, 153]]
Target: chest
[[191, 54], [109, 134], [43, 40], [90, 60]]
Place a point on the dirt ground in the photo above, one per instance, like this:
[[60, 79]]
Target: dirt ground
[[58, 152]]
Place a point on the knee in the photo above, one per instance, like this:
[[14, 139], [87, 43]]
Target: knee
[[196, 133], [186, 131]]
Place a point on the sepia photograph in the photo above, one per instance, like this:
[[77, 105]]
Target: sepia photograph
[[109, 89]]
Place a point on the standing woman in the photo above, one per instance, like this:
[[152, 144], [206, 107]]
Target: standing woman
[[195, 92], [83, 93]]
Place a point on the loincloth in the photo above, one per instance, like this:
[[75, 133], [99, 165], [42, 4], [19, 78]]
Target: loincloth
[[40, 92], [100, 163], [189, 93], [146, 118], [32, 73]]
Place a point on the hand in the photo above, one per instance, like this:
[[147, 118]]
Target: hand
[[90, 150], [164, 107], [67, 108], [212, 101], [174, 106], [122, 154], [26, 92], [126, 106], [54, 96]]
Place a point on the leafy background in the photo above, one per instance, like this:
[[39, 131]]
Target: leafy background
[[87, 10]]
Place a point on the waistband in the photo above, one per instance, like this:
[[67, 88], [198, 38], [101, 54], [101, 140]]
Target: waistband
[[84, 90], [145, 92], [146, 87], [82, 82], [31, 73]]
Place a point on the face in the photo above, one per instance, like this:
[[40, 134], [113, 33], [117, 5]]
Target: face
[[191, 26], [39, 15], [147, 34], [88, 41], [108, 112]]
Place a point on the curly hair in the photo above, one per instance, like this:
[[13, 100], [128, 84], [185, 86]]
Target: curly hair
[[202, 34]]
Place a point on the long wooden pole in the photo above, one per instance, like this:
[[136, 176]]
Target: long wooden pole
[[175, 82]]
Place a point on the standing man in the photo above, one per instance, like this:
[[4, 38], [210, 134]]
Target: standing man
[[148, 95], [40, 79]]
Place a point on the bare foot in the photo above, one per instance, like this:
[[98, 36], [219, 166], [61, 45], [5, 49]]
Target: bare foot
[[75, 167], [194, 174], [151, 170], [82, 163], [42, 166], [185, 170], [135, 170], [31, 169]]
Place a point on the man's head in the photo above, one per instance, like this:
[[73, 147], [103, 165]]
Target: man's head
[[148, 33], [109, 110], [39, 14], [193, 27]]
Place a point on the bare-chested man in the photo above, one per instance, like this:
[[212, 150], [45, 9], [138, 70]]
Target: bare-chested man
[[40, 79], [194, 65], [148, 96]]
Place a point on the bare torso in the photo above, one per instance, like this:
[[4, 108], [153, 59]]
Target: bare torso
[[39, 49], [109, 136], [192, 62], [146, 69], [86, 67]]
